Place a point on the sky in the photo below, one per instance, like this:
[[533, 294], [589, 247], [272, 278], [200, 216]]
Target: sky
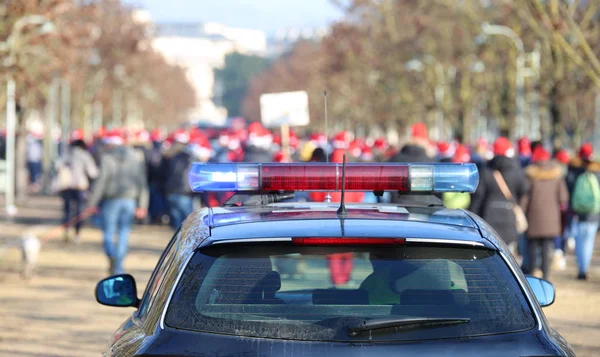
[[266, 15]]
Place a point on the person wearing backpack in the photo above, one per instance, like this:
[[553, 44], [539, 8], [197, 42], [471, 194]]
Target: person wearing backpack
[[583, 181], [542, 205], [120, 192], [74, 173]]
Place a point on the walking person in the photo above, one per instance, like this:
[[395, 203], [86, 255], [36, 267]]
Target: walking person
[[174, 175], [501, 187], [34, 160], [121, 193], [74, 172], [583, 180], [547, 197]]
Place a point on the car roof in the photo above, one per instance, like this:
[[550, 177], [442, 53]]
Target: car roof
[[221, 217], [321, 220]]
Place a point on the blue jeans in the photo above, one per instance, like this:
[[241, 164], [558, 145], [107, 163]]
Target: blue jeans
[[117, 217], [157, 206], [585, 234], [35, 171], [180, 206]]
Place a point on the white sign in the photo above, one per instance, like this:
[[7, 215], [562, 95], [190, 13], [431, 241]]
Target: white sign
[[288, 108]]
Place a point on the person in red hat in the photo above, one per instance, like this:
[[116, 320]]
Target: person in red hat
[[502, 184], [525, 151], [583, 179], [547, 197], [445, 151], [417, 149], [175, 165], [256, 148], [157, 210], [120, 193]]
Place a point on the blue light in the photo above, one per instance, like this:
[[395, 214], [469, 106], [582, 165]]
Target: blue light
[[455, 178], [223, 177]]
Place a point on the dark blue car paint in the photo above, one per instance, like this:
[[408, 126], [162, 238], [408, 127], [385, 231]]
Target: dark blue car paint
[[147, 335]]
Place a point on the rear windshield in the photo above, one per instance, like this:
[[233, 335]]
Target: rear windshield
[[318, 293]]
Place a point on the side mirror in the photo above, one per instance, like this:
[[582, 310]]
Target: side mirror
[[117, 290], [542, 289]]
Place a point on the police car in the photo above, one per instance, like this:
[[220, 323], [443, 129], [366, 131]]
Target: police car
[[262, 277]]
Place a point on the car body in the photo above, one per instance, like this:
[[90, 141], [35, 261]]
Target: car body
[[495, 309]]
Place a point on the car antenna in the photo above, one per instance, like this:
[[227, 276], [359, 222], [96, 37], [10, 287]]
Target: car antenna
[[327, 194], [342, 212]]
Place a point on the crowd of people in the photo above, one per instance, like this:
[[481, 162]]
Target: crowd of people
[[541, 203]]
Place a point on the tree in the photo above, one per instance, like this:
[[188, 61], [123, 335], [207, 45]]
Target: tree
[[235, 77]]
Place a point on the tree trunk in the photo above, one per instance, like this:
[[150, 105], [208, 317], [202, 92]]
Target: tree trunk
[[555, 119]]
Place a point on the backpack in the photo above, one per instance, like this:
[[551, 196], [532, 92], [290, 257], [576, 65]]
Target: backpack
[[586, 194], [64, 178], [459, 200]]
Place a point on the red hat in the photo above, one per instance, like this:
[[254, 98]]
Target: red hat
[[77, 134], [367, 154], [419, 130], [461, 155], [380, 144], [355, 148], [540, 154], [100, 133], [337, 156], [156, 135], [503, 147], [524, 146], [341, 140], [114, 137], [255, 128], [563, 156], [279, 157], [445, 149], [200, 146], [586, 151]]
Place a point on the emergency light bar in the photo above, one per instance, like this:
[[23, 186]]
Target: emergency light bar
[[265, 177]]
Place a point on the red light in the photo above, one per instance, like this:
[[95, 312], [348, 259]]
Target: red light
[[348, 241], [327, 177]]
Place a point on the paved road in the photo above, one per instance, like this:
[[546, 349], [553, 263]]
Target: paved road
[[55, 313]]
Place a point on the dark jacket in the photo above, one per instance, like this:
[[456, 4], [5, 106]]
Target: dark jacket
[[254, 154], [542, 204], [577, 167], [489, 202], [416, 150], [174, 170]]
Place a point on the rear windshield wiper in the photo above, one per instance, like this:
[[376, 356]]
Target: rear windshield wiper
[[405, 322]]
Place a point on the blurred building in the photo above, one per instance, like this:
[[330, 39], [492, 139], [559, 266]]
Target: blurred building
[[200, 48], [284, 39]]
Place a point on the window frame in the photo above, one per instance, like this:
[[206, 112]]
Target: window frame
[[161, 268]]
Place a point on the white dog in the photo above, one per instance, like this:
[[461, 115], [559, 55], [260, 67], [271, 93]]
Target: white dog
[[30, 246]]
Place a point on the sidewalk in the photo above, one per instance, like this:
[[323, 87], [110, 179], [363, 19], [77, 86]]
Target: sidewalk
[[55, 314]]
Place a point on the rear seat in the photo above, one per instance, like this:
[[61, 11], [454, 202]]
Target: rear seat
[[340, 297]]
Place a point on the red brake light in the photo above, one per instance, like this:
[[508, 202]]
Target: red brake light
[[348, 241], [329, 178]]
